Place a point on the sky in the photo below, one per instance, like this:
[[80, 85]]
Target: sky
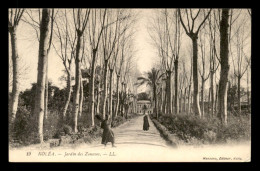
[[146, 54], [28, 51]]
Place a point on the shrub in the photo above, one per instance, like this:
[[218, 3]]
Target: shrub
[[51, 125], [67, 129], [62, 131], [238, 128], [24, 130], [207, 130], [117, 121], [87, 139], [120, 119]]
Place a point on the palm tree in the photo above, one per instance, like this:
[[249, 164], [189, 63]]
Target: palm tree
[[152, 80]]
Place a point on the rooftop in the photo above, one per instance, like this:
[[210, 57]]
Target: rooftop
[[143, 101]]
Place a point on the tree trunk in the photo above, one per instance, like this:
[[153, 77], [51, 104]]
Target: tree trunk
[[248, 99], [122, 99], [216, 100], [209, 104], [184, 99], [92, 88], [189, 95], [202, 96], [155, 100], [196, 105], [169, 93], [105, 90], [15, 89], [81, 97], [176, 62], [98, 100], [117, 96], [180, 102], [69, 89], [122, 107], [75, 110], [46, 95], [134, 105], [41, 77], [212, 92], [229, 103], [224, 63], [161, 104], [239, 94], [165, 99], [110, 94]]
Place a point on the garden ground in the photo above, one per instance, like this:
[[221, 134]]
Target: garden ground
[[134, 145]]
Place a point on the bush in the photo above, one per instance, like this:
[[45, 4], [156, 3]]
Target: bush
[[85, 134], [120, 120], [67, 129], [62, 131], [24, 130], [51, 125], [188, 127], [117, 121], [238, 128]]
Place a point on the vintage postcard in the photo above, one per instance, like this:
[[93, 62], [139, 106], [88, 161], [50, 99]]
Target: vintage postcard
[[129, 85]]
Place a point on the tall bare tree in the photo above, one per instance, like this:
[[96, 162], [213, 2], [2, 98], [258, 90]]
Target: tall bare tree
[[118, 69], [80, 18], [213, 56], [47, 80], [109, 39], [182, 84], [95, 31], [193, 34], [66, 51], [165, 33], [224, 64], [204, 75], [13, 22], [242, 60], [33, 18], [124, 48], [44, 48]]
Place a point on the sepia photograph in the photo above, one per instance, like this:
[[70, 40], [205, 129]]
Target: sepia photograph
[[129, 84]]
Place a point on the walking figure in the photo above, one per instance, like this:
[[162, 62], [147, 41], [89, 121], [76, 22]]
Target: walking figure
[[108, 134], [146, 123]]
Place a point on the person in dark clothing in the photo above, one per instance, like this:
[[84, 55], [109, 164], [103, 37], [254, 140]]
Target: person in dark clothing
[[146, 123], [108, 134]]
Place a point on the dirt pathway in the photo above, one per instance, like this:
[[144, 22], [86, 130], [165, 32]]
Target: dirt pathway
[[134, 145], [131, 134]]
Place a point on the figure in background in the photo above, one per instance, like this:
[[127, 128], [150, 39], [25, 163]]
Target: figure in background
[[108, 134], [146, 123]]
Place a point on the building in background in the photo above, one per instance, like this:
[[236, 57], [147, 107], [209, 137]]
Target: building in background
[[140, 106]]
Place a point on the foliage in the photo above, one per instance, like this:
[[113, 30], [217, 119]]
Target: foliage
[[55, 97], [238, 128], [51, 125], [143, 96], [189, 127], [62, 131], [120, 120], [117, 121], [23, 131], [26, 98], [85, 134], [57, 100]]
